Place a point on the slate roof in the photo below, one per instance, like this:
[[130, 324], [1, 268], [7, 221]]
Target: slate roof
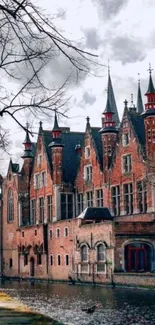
[[111, 98], [140, 107], [150, 86], [98, 144], [96, 214], [14, 167], [70, 157], [137, 122]]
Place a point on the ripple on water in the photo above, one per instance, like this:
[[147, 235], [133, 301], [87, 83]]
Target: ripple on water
[[64, 303]]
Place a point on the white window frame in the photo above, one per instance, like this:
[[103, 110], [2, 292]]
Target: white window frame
[[101, 262], [87, 152], [99, 200], [89, 200], [125, 136], [39, 159], [88, 173], [128, 164]]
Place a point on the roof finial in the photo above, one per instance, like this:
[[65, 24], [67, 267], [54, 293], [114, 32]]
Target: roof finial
[[108, 68], [150, 70], [138, 78], [131, 99], [27, 125], [126, 104]]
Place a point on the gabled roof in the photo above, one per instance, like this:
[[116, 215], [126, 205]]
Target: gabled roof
[[14, 167]]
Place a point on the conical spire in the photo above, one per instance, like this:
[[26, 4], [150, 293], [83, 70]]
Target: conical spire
[[56, 134], [140, 107], [56, 126], [87, 123], [111, 99], [28, 145], [108, 108], [150, 86]]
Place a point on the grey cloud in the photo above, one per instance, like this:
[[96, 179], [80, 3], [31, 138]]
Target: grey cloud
[[88, 98], [127, 50], [109, 8], [92, 39]]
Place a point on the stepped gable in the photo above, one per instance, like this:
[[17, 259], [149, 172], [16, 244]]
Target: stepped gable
[[70, 157]]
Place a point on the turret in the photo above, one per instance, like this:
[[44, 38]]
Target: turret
[[28, 155], [108, 133], [149, 120], [56, 152]]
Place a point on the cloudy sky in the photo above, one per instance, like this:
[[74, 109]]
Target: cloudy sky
[[121, 31]]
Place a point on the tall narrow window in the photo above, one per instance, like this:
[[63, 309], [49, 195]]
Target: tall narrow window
[[99, 198], [89, 199], [127, 166], [80, 202], [10, 263], [115, 200], [39, 259], [49, 207], [43, 179], [128, 198], [51, 260], [41, 209], [59, 260], [101, 258], [66, 232], [10, 206], [67, 259], [25, 259], [88, 173], [33, 211], [66, 206], [125, 139], [37, 181], [84, 253], [142, 196]]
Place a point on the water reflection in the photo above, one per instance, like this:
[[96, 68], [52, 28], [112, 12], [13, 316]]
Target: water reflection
[[64, 302]]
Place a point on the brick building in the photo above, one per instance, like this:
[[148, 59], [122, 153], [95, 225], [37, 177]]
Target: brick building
[[55, 221]]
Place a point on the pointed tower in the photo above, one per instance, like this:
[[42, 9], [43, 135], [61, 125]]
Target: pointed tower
[[56, 152], [140, 108], [112, 101], [149, 120], [108, 133], [27, 156]]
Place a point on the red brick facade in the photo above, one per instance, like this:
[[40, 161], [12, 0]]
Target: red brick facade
[[110, 166]]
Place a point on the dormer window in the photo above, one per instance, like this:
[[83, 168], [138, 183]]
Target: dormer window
[[125, 139], [87, 152]]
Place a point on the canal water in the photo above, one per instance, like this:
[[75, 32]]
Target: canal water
[[119, 306]]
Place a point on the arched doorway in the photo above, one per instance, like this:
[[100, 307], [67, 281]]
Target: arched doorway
[[32, 264], [138, 257]]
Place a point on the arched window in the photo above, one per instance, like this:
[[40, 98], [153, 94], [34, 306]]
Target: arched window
[[100, 253], [84, 253], [10, 206]]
